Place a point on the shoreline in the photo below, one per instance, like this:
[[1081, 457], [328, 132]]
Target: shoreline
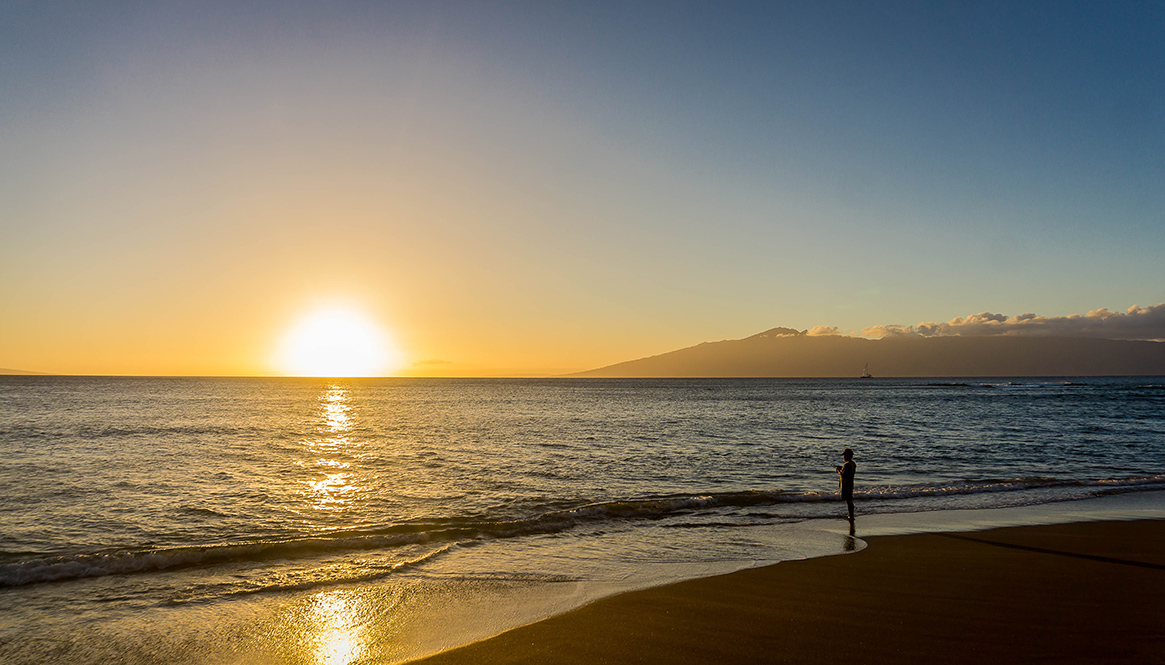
[[1076, 581], [1117, 506], [744, 614]]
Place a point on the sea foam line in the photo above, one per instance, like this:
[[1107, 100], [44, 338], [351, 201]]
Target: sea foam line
[[460, 530]]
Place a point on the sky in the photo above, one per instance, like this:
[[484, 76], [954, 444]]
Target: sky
[[535, 188]]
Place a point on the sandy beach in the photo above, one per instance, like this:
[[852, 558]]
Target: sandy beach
[[1083, 593]]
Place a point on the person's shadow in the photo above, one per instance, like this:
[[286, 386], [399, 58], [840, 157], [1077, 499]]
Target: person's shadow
[[851, 543]]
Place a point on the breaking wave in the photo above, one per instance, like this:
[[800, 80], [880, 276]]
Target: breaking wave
[[443, 534]]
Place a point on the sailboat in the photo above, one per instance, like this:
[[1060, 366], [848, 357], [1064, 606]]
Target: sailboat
[[866, 372]]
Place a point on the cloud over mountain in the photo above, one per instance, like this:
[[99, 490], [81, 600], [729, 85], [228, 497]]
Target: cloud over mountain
[[1136, 323]]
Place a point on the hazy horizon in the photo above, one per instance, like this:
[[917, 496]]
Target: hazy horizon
[[1137, 324], [512, 188]]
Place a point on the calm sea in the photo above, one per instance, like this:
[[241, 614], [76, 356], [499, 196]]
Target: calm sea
[[217, 520]]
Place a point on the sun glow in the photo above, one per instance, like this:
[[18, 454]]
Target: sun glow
[[337, 342]]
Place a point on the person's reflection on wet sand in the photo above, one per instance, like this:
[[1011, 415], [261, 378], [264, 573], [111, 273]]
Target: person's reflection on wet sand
[[851, 541]]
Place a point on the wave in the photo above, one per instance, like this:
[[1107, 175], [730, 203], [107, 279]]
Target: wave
[[33, 432], [465, 531], [1015, 485], [347, 579], [1036, 384], [123, 562]]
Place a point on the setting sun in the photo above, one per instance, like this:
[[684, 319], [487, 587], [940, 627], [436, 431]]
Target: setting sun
[[337, 342]]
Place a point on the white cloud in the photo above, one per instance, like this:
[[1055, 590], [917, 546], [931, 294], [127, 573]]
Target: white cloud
[[887, 331], [1135, 323]]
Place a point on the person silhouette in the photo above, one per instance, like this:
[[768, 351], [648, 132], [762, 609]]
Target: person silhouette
[[846, 471]]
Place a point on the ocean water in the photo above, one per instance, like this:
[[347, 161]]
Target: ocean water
[[247, 520]]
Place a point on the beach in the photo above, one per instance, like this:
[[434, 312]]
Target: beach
[[1081, 592]]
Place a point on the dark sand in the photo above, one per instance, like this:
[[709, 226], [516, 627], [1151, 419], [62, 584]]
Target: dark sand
[[1090, 592]]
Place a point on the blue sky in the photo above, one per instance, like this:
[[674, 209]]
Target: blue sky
[[543, 187]]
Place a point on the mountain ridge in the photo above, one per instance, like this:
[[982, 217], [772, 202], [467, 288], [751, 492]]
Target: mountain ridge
[[795, 354]]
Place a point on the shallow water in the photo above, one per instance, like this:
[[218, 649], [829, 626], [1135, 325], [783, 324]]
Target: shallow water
[[295, 520]]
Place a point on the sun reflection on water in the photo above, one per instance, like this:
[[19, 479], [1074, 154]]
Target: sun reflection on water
[[340, 639], [333, 487], [336, 410]]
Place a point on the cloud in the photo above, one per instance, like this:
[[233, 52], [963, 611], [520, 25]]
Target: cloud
[[887, 331], [1147, 323], [819, 331]]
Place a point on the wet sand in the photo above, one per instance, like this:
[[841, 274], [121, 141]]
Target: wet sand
[[1083, 593]]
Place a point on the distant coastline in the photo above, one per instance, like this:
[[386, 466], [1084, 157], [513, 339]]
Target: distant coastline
[[783, 353], [9, 372]]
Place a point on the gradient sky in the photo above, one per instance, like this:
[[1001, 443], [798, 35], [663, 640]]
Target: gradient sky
[[543, 187]]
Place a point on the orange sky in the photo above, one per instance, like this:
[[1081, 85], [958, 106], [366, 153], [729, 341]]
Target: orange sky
[[563, 187]]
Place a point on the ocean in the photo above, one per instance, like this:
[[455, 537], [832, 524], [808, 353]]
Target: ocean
[[278, 520]]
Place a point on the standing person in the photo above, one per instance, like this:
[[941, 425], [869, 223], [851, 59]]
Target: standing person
[[846, 471]]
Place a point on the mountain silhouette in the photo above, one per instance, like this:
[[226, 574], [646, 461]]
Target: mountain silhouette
[[784, 352]]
